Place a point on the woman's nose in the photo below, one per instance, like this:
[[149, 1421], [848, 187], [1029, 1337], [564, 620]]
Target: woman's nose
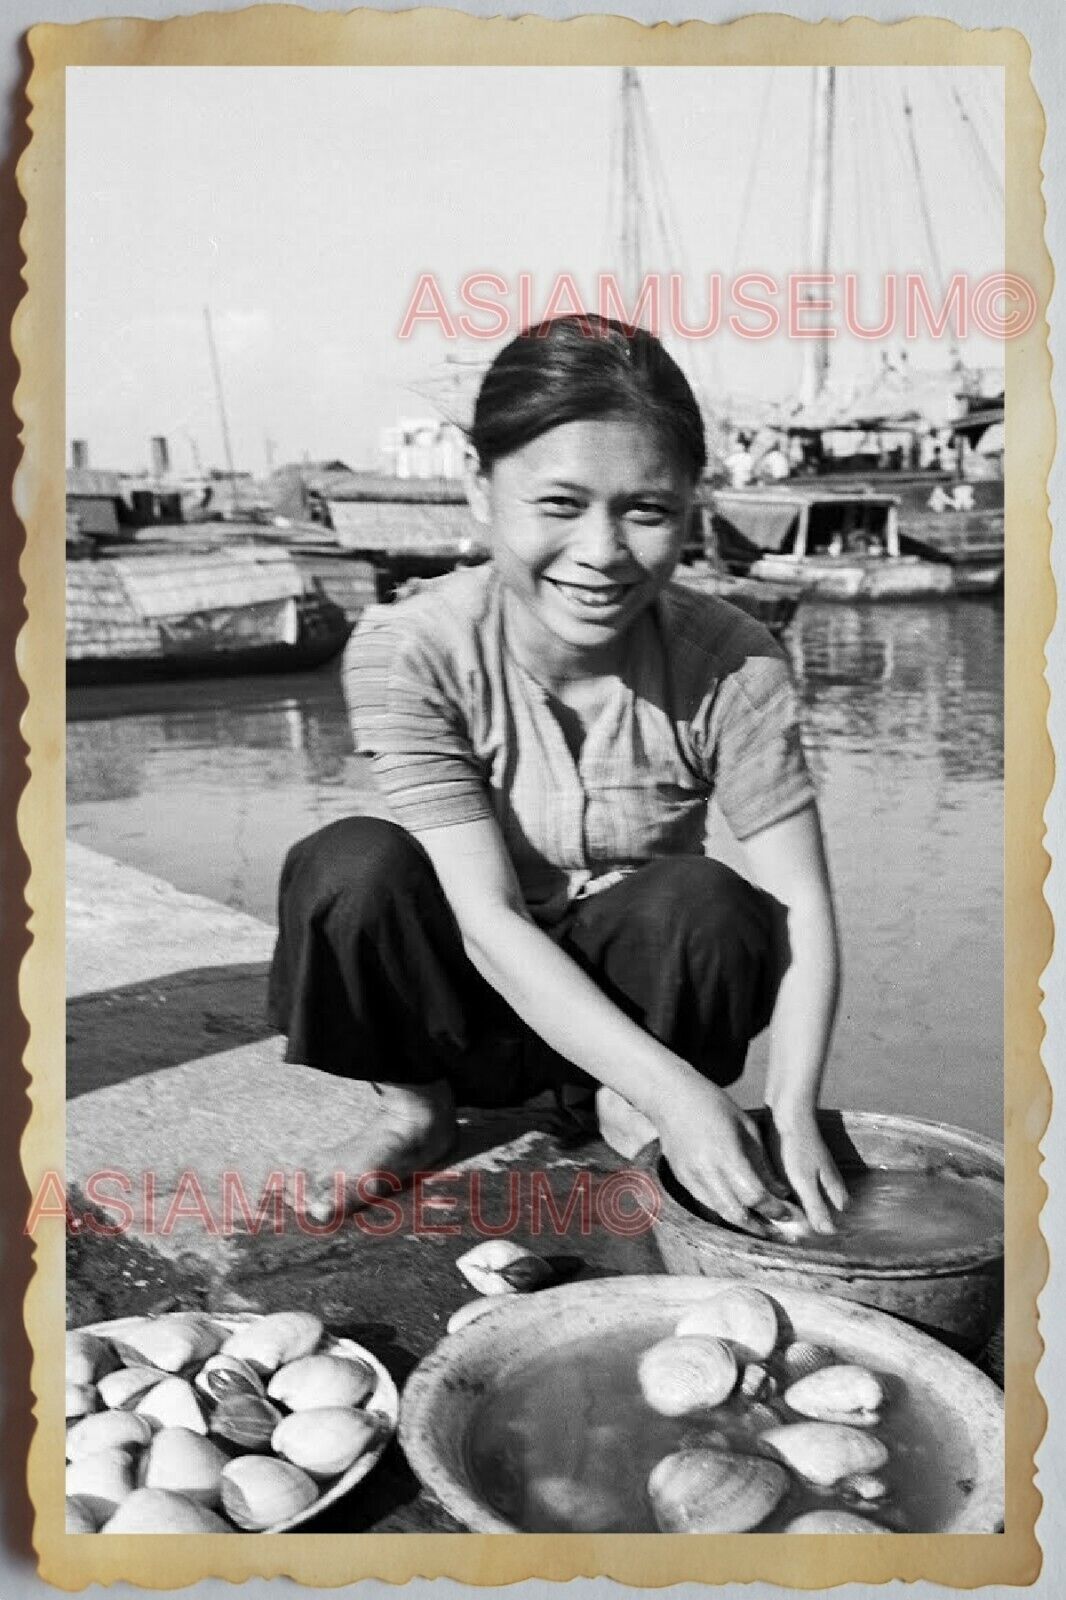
[[600, 538]]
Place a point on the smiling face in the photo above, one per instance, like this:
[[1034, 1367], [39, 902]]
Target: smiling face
[[587, 523]]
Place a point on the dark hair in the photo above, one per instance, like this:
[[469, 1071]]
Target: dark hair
[[572, 368]]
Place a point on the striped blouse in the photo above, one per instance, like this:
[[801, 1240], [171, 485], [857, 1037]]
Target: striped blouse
[[458, 730]]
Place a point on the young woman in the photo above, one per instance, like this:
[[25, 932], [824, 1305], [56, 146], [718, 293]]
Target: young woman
[[549, 729]]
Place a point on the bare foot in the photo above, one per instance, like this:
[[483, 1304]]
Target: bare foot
[[412, 1129], [622, 1126]]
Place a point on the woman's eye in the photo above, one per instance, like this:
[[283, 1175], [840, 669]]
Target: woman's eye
[[648, 513]]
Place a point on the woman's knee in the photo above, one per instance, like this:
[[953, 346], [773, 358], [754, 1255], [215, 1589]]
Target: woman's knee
[[368, 857]]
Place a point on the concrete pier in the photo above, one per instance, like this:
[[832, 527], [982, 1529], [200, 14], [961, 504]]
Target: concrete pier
[[179, 1094]]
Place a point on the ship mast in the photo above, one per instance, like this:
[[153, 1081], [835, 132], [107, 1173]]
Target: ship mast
[[216, 373], [820, 224], [630, 241]]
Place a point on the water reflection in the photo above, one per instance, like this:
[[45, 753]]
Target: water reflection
[[208, 784]]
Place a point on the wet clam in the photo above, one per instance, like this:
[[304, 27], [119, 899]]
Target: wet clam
[[86, 1356], [102, 1480], [864, 1486], [681, 1375], [125, 1386], [715, 1491], [471, 1311], [839, 1393], [801, 1358], [223, 1376], [747, 1318], [832, 1522], [163, 1511], [247, 1420], [170, 1343], [499, 1266], [185, 1463], [258, 1491], [80, 1399], [105, 1430], [826, 1452], [172, 1404], [79, 1516], [269, 1342], [325, 1442], [324, 1380]]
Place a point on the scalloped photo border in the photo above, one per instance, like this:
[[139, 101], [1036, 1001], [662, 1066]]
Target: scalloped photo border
[[289, 36]]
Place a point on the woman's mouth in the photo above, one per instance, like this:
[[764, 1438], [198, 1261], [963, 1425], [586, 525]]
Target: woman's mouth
[[592, 596]]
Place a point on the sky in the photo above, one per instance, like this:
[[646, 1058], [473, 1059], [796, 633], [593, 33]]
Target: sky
[[301, 205]]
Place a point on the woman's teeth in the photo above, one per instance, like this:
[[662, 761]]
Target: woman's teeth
[[596, 597]]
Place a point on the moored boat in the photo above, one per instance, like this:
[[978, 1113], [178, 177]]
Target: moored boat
[[189, 609], [838, 545]]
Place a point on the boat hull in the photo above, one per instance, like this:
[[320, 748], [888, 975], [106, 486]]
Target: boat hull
[[860, 580]]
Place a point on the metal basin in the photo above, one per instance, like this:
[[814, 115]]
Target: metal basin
[[955, 1293], [442, 1400]]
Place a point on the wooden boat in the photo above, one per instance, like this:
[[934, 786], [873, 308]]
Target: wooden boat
[[194, 608], [838, 545]]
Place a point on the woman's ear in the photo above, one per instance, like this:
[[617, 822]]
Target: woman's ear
[[476, 484]]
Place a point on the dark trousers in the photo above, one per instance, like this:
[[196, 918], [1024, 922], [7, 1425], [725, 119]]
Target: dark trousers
[[370, 979]]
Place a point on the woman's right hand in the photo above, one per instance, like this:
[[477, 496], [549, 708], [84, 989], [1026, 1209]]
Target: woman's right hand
[[714, 1150]]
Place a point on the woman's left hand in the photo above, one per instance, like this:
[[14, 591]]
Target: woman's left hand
[[802, 1157]]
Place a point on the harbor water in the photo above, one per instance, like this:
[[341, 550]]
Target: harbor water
[[206, 784]]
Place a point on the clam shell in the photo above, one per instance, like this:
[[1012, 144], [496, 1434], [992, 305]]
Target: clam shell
[[162, 1511], [864, 1486], [169, 1343], [86, 1356], [172, 1404], [80, 1399], [825, 1452], [258, 1491], [185, 1463], [269, 1342], [247, 1420], [471, 1311], [325, 1442], [317, 1381], [80, 1517], [223, 1376], [715, 1491], [840, 1393], [499, 1266], [681, 1375], [106, 1430], [122, 1388], [833, 1522], [102, 1480], [747, 1318], [801, 1358]]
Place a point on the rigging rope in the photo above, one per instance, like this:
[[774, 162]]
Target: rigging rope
[[985, 164], [753, 166], [923, 198]]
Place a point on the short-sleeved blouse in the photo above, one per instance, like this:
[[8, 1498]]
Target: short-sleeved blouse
[[459, 730]]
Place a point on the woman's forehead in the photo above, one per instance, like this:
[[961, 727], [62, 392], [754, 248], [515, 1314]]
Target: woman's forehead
[[597, 451]]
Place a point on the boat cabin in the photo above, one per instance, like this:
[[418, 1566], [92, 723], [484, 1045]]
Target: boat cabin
[[802, 524]]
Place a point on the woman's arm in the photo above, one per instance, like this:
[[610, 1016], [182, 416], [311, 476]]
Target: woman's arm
[[710, 1143], [788, 861]]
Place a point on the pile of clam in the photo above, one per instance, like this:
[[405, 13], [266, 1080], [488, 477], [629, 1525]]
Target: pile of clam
[[179, 1425], [806, 1420]]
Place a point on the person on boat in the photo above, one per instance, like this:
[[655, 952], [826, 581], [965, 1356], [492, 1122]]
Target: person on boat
[[774, 465], [548, 729], [740, 463]]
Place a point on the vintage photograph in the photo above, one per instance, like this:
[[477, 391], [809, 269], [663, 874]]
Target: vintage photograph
[[534, 607]]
